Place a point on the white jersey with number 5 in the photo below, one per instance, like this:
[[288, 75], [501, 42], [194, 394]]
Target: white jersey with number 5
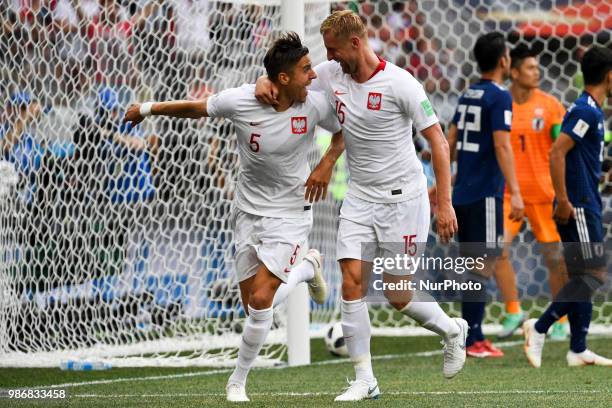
[[377, 118], [273, 148]]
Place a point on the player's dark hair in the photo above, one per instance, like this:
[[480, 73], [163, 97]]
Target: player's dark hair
[[284, 54], [489, 49], [519, 54], [596, 63]]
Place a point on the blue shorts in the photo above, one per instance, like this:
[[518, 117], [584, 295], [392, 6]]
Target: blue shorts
[[582, 239], [481, 226]]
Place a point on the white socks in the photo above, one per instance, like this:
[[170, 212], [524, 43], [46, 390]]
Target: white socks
[[427, 312], [258, 323], [357, 332], [300, 273], [255, 332]]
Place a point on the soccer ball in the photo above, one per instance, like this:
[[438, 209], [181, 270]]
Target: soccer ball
[[334, 340]]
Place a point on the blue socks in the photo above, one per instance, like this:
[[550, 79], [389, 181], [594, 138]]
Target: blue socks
[[579, 318], [473, 308]]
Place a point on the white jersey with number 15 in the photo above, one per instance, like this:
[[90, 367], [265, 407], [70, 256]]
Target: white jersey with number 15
[[377, 118]]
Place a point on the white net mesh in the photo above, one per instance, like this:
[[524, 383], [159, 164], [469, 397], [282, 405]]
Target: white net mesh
[[116, 245], [119, 247]]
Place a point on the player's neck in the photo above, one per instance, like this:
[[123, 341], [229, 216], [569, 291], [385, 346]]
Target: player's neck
[[597, 92], [521, 95], [284, 100], [496, 76], [368, 62]]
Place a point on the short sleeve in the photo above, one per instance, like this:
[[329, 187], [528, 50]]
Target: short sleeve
[[328, 119], [224, 103], [577, 123], [413, 101], [501, 112]]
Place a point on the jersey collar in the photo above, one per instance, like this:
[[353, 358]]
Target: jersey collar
[[589, 96], [381, 67]]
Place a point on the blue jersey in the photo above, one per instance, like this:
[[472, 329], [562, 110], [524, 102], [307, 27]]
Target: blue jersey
[[484, 108], [584, 123]]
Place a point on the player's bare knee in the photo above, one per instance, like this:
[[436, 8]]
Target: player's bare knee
[[351, 288], [398, 299], [398, 305], [259, 301], [351, 279], [261, 298]]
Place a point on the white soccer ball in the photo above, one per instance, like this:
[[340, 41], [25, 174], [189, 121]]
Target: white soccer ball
[[334, 340]]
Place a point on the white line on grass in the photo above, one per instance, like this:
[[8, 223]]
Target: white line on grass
[[228, 370], [317, 394]]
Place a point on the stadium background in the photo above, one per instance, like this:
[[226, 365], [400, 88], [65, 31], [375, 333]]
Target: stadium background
[[126, 242]]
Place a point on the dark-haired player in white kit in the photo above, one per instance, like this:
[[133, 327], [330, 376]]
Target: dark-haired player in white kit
[[271, 217]]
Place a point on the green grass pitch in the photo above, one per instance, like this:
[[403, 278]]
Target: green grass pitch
[[409, 371]]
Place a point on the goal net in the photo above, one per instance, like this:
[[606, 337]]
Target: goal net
[[115, 244]]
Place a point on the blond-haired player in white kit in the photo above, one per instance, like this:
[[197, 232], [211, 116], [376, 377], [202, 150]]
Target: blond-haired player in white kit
[[271, 217], [377, 104]]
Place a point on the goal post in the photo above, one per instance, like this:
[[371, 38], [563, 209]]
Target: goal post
[[298, 308]]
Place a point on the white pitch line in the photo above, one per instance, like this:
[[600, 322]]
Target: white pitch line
[[229, 370], [324, 393]]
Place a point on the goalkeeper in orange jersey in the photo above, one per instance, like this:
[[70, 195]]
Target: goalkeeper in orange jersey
[[536, 123]]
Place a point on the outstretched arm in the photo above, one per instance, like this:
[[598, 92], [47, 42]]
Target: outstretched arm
[[176, 109]]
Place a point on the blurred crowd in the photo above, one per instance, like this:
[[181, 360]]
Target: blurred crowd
[[68, 69]]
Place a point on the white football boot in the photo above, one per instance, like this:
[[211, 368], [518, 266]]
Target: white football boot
[[534, 343], [454, 350], [587, 357], [360, 390], [317, 287], [236, 393]]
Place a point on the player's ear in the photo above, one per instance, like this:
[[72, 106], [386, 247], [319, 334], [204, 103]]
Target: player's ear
[[283, 78], [514, 73], [355, 41], [504, 61]]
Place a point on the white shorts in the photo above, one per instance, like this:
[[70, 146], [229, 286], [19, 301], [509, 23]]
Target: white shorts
[[278, 243], [368, 228]]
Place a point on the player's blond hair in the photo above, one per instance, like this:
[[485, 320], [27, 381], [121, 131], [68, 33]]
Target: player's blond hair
[[344, 24]]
